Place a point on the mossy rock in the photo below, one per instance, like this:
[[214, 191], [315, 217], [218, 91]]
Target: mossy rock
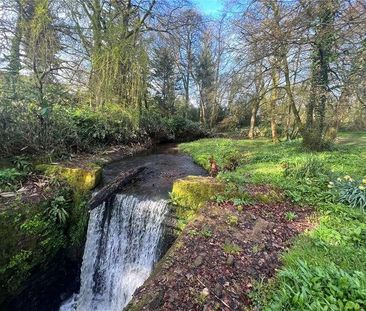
[[79, 178], [193, 192]]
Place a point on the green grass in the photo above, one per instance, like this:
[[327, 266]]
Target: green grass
[[352, 138], [326, 267]]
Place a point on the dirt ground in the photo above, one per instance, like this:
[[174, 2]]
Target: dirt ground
[[219, 257]]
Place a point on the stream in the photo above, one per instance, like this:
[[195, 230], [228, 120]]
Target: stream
[[125, 233]]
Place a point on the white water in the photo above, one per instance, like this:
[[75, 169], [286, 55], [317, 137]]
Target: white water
[[120, 252]]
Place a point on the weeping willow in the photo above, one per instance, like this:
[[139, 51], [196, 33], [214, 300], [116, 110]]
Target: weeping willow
[[119, 72]]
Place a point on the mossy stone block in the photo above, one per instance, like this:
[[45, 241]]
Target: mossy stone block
[[193, 192], [79, 178]]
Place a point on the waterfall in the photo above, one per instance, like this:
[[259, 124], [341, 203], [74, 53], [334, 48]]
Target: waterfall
[[120, 251]]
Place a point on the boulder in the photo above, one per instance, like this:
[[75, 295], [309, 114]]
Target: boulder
[[190, 194], [193, 192], [82, 179]]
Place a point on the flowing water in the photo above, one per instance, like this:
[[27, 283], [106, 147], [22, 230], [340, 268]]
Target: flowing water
[[121, 248], [124, 234]]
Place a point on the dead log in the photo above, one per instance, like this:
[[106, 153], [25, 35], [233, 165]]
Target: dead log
[[122, 180]]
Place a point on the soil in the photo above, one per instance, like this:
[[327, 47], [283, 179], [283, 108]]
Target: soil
[[221, 255]]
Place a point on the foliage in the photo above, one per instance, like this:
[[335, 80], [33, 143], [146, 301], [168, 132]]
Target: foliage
[[290, 216], [232, 220], [206, 232], [109, 125], [22, 163], [315, 288], [351, 192], [58, 210], [326, 267], [59, 130], [163, 128], [311, 168], [10, 178], [231, 248]]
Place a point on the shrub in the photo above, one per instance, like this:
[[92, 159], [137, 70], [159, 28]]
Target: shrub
[[320, 288], [56, 130], [106, 126], [26, 128], [311, 168], [229, 123], [57, 211], [10, 178], [351, 192]]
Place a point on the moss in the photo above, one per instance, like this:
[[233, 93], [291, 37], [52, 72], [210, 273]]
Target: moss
[[191, 193], [79, 178], [25, 243], [31, 239], [269, 197]]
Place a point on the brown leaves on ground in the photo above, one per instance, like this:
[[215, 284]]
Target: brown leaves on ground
[[222, 254], [34, 190]]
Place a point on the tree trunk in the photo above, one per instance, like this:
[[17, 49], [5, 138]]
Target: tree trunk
[[273, 103], [322, 52], [253, 118]]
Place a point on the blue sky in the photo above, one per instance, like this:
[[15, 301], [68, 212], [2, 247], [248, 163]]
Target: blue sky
[[209, 7]]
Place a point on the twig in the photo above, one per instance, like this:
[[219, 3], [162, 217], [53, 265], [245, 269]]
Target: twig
[[223, 302]]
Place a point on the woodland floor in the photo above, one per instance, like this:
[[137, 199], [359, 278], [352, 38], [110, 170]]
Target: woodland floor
[[222, 254], [276, 255]]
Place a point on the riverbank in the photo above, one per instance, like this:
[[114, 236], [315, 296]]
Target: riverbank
[[43, 220], [279, 238]]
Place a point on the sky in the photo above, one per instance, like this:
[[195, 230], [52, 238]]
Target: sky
[[209, 7]]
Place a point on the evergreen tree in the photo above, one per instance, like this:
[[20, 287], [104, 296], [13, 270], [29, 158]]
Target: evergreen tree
[[164, 78]]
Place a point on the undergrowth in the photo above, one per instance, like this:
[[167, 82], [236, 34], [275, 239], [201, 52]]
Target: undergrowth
[[326, 267]]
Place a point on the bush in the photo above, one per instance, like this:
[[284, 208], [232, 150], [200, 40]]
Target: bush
[[106, 126], [351, 192], [320, 288], [10, 178], [229, 124], [170, 128], [311, 168], [57, 130], [26, 128]]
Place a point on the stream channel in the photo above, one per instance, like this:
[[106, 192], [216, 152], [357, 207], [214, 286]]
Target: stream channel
[[126, 234]]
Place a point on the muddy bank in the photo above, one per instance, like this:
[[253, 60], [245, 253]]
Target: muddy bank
[[220, 256]]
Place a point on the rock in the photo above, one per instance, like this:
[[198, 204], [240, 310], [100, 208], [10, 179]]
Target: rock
[[193, 192], [218, 290], [82, 179], [198, 261], [230, 260]]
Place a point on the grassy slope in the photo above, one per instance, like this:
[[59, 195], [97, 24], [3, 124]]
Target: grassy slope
[[326, 268]]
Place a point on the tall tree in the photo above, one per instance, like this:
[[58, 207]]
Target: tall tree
[[322, 15], [41, 44], [206, 78], [165, 77]]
